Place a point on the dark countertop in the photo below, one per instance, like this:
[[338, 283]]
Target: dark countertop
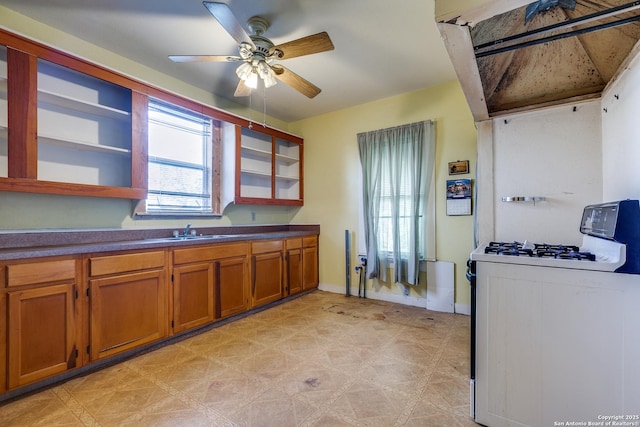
[[59, 242]]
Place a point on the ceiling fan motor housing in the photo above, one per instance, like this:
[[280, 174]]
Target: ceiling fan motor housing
[[264, 46]]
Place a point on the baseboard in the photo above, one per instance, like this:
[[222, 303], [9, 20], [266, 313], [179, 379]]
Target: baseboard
[[463, 309], [373, 294], [388, 297]]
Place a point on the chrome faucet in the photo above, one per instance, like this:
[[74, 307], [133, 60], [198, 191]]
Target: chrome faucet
[[186, 230]]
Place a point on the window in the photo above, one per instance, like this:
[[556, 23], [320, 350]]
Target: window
[[397, 199], [403, 203], [181, 147]]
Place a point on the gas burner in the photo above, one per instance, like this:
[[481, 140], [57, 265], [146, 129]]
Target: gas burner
[[577, 255], [507, 248], [557, 248], [540, 250]]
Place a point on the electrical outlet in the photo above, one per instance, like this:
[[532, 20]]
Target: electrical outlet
[[253, 216]]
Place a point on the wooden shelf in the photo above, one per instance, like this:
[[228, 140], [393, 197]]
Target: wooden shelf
[[287, 178], [51, 98], [82, 145], [286, 159], [257, 152], [256, 173]]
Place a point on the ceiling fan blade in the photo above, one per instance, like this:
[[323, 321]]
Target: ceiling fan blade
[[306, 46], [295, 81], [204, 58], [242, 89], [229, 22]]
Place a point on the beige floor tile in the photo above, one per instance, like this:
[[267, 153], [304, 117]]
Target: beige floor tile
[[318, 360]]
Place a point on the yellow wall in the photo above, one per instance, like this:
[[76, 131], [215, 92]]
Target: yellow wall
[[332, 173]]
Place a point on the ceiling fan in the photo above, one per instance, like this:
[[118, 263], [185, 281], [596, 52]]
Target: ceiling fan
[[258, 54]]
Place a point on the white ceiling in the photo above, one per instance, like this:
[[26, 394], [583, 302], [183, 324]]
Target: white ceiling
[[382, 47]]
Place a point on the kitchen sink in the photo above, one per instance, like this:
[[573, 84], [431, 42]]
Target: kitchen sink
[[200, 237], [192, 237]]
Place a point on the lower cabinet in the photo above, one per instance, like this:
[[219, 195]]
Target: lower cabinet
[[267, 271], [302, 264], [42, 319], [193, 296], [128, 307], [232, 284], [310, 278], [62, 313], [209, 282], [293, 258]]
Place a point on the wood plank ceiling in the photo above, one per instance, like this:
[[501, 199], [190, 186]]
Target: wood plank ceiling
[[551, 71]]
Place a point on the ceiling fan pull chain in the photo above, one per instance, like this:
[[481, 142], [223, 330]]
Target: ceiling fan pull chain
[[264, 106], [250, 111]]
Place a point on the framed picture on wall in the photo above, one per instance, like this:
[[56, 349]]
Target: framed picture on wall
[[458, 167]]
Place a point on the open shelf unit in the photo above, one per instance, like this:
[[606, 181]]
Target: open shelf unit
[[72, 127], [269, 168], [287, 169], [83, 122], [4, 160]]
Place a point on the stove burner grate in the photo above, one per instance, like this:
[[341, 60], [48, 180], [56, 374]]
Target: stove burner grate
[[540, 250]]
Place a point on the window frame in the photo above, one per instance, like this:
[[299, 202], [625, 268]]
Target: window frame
[[214, 161]]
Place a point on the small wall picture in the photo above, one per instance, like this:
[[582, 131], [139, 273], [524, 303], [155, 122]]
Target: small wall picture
[[459, 167]]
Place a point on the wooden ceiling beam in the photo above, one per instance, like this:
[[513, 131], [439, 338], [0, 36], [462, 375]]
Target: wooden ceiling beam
[[457, 40]]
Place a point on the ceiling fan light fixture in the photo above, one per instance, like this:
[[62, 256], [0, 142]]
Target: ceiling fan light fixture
[[266, 74], [244, 71], [252, 80]]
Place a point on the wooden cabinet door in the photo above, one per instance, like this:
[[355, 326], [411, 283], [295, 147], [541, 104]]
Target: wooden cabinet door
[[267, 278], [193, 296], [294, 271], [127, 311], [310, 267], [231, 284], [42, 333]]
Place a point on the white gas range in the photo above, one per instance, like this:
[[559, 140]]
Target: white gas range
[[556, 328], [594, 254]]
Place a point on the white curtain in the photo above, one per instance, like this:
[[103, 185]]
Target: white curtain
[[397, 169]]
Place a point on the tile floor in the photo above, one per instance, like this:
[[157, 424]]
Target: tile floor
[[320, 360]]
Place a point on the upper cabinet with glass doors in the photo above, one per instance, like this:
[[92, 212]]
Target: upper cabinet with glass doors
[[268, 167]]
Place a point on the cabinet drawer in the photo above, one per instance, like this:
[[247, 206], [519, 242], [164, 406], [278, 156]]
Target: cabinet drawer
[[208, 253], [268, 246], [40, 272], [100, 266], [310, 241], [293, 243]]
